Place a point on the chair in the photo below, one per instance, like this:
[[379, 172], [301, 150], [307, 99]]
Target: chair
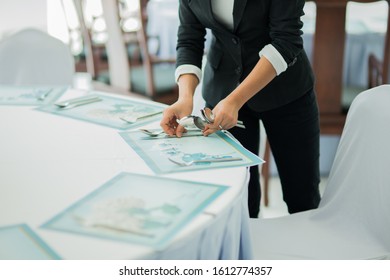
[[353, 218], [154, 77], [265, 172], [87, 36], [333, 97], [33, 57], [130, 24]]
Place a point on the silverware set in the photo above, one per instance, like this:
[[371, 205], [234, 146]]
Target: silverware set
[[200, 122]]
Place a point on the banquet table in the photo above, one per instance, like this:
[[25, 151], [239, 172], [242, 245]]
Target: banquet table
[[48, 162]]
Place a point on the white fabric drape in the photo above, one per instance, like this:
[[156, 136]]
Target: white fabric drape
[[33, 57], [353, 219]]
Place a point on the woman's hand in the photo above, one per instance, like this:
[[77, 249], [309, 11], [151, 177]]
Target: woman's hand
[[226, 111], [225, 117], [182, 107], [177, 110]]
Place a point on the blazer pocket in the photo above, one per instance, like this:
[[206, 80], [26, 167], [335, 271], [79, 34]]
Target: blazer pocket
[[214, 58]]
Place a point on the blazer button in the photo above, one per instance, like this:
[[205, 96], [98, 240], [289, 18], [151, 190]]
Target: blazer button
[[238, 71], [293, 62], [235, 40]]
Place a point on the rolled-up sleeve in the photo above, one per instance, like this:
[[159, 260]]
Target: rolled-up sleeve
[[275, 58], [188, 69], [285, 28]]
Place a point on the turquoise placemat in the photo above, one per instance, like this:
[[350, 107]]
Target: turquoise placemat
[[135, 208], [157, 151], [109, 111], [19, 242], [31, 96]]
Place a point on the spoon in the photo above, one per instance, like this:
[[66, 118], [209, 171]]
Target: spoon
[[209, 117], [199, 123], [190, 121]]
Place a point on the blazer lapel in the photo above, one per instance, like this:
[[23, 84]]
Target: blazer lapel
[[238, 11], [205, 7]]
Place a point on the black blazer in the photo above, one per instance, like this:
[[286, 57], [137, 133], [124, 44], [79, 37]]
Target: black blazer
[[233, 54]]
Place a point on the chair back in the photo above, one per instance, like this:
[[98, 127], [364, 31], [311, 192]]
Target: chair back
[[358, 186], [33, 57], [150, 76], [143, 41], [87, 41], [155, 77], [151, 61]]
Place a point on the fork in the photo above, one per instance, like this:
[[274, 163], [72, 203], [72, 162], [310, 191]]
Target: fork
[[206, 160], [135, 119], [42, 95], [151, 133], [77, 102]]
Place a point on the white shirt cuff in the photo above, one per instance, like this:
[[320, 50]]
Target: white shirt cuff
[[188, 69], [274, 57]]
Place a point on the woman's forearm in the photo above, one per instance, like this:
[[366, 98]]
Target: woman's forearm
[[187, 84], [258, 78]]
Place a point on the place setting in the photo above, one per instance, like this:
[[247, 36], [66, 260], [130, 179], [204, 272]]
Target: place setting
[[165, 154], [30, 95], [194, 125], [123, 210], [107, 110]]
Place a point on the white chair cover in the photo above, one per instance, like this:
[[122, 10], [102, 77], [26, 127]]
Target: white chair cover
[[353, 219], [33, 57]]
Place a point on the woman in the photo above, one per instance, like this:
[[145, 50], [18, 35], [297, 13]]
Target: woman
[[256, 69]]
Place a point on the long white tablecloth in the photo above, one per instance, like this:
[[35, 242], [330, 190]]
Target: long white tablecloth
[[48, 162]]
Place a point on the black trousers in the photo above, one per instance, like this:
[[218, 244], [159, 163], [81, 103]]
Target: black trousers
[[293, 134]]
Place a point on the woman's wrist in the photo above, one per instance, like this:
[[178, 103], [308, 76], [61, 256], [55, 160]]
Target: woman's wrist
[[235, 100], [187, 84], [185, 95]]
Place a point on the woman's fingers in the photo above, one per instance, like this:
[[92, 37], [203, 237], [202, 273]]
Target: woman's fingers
[[180, 130], [168, 121], [170, 125], [211, 128]]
